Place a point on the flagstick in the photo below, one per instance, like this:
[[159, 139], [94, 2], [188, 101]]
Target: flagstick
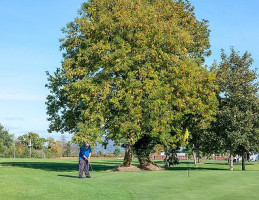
[[186, 136]]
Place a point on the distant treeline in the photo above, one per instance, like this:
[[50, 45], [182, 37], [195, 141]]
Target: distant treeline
[[32, 145]]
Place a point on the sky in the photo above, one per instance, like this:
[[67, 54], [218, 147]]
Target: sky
[[29, 38]]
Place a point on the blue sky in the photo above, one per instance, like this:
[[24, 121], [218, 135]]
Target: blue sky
[[30, 30]]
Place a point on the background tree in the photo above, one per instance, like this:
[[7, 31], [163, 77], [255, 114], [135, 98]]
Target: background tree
[[54, 148], [200, 140], [36, 141], [6, 141], [65, 146], [132, 69], [21, 150], [116, 152], [237, 120], [158, 149], [68, 149], [74, 149]]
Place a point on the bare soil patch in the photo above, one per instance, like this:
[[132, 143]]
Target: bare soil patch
[[149, 167], [152, 167]]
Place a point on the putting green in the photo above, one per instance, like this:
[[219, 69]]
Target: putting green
[[57, 179]]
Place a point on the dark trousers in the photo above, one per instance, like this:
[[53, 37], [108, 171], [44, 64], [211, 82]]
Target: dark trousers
[[83, 167]]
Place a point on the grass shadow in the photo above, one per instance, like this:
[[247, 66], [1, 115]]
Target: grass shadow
[[195, 168], [99, 165], [68, 176], [102, 165], [226, 163], [47, 166], [183, 165]]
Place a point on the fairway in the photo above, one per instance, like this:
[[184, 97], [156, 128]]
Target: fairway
[[57, 179]]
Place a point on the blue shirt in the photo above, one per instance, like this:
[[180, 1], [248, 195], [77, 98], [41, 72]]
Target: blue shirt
[[84, 151]]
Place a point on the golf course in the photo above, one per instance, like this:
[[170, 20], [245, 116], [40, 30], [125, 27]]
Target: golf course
[[129, 100], [58, 179]]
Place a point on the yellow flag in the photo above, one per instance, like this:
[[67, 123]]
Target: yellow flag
[[186, 135]]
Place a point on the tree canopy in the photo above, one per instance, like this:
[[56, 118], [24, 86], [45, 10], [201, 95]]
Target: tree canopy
[[132, 69], [238, 116]]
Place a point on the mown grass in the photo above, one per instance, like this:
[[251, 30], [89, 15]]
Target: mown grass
[[57, 179]]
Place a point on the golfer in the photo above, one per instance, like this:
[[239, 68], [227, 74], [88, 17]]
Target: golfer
[[84, 160]]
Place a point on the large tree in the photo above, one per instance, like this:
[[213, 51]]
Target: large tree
[[132, 70], [238, 116]]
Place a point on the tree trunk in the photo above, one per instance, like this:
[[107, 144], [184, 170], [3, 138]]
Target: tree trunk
[[194, 158], [128, 155], [144, 161], [142, 148], [231, 168], [243, 160], [198, 156]]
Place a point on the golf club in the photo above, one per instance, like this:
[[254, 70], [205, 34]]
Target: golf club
[[90, 165]]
